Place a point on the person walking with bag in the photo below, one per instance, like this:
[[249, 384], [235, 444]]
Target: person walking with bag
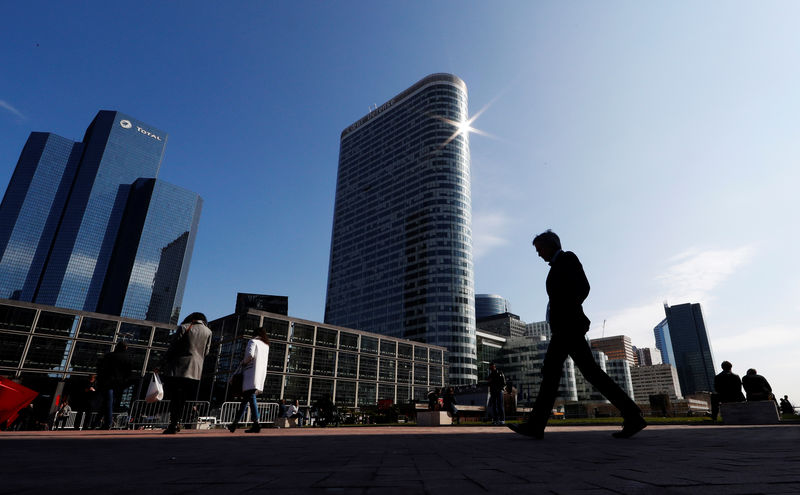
[[254, 373], [184, 365]]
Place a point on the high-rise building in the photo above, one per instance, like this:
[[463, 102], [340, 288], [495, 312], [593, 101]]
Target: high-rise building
[[538, 328], [401, 247], [664, 342], [691, 347], [616, 347], [655, 379], [646, 356], [87, 226], [507, 324], [490, 304]]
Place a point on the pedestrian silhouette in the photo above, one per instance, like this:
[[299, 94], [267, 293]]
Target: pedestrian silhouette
[[727, 388], [567, 288]]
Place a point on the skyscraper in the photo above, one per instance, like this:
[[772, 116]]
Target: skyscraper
[[401, 248], [691, 348], [664, 342], [85, 225], [616, 347], [490, 304]]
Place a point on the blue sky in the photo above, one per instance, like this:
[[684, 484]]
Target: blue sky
[[659, 141]]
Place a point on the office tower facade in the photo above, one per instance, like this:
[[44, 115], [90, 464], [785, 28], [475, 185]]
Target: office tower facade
[[538, 328], [616, 347], [646, 356], [489, 305], [401, 246], [149, 265], [691, 348], [507, 324], [310, 360], [72, 208], [664, 342], [655, 379]]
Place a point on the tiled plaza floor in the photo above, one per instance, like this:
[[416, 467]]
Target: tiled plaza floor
[[405, 460]]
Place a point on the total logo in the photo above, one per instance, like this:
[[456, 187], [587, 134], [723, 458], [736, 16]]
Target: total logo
[[126, 124]]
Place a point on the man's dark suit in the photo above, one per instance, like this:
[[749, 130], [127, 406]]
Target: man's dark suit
[[567, 288]]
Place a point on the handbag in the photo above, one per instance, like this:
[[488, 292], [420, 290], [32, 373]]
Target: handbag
[[155, 391]]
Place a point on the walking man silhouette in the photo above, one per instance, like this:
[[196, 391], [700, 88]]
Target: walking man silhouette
[[567, 288]]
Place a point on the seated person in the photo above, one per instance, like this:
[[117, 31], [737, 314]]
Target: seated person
[[786, 406], [449, 404], [728, 388], [756, 386], [293, 411], [433, 400]]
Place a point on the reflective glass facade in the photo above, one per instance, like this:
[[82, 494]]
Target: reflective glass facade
[[71, 207], [308, 360], [53, 351], [31, 210], [664, 342], [490, 305], [691, 348], [145, 278], [401, 248]]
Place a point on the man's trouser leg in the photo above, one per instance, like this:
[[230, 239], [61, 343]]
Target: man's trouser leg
[[551, 377], [582, 356]]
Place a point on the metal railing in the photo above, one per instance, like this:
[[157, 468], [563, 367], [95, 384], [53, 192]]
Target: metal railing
[[267, 412], [156, 414]]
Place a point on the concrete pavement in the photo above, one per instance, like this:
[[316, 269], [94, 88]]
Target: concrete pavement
[[406, 460]]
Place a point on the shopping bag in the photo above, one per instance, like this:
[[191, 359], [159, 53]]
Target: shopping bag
[[155, 392], [237, 381]]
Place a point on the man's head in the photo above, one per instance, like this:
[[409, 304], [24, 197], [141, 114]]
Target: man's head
[[547, 244], [492, 366], [752, 371], [726, 366]]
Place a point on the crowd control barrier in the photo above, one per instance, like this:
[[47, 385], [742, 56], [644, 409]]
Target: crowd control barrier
[[156, 414], [267, 412]]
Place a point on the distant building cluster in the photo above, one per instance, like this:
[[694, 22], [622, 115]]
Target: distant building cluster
[[640, 372]]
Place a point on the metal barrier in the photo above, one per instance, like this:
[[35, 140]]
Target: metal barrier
[[149, 414], [68, 423], [267, 412], [156, 414]]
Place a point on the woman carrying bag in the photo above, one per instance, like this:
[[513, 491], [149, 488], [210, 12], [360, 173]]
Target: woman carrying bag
[[254, 374]]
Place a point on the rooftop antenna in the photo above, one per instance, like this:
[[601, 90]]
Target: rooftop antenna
[[604, 329]]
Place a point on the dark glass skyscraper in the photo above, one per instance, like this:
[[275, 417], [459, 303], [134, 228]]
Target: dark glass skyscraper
[[691, 347], [664, 342], [490, 304], [72, 207], [401, 248]]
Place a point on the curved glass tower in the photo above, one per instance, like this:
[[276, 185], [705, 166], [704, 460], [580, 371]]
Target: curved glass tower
[[401, 248], [490, 305]]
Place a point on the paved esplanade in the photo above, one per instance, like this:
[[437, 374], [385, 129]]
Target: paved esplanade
[[445, 460]]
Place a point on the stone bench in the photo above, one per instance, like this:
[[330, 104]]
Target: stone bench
[[433, 418], [285, 422], [761, 412]]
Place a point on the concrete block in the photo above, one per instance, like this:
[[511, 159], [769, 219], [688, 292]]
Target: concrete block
[[761, 412], [433, 418], [285, 422]]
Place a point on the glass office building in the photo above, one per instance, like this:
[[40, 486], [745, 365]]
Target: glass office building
[[53, 351], [401, 247], [145, 277], [309, 360], [691, 347], [31, 210], [490, 304], [64, 216], [664, 342]]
